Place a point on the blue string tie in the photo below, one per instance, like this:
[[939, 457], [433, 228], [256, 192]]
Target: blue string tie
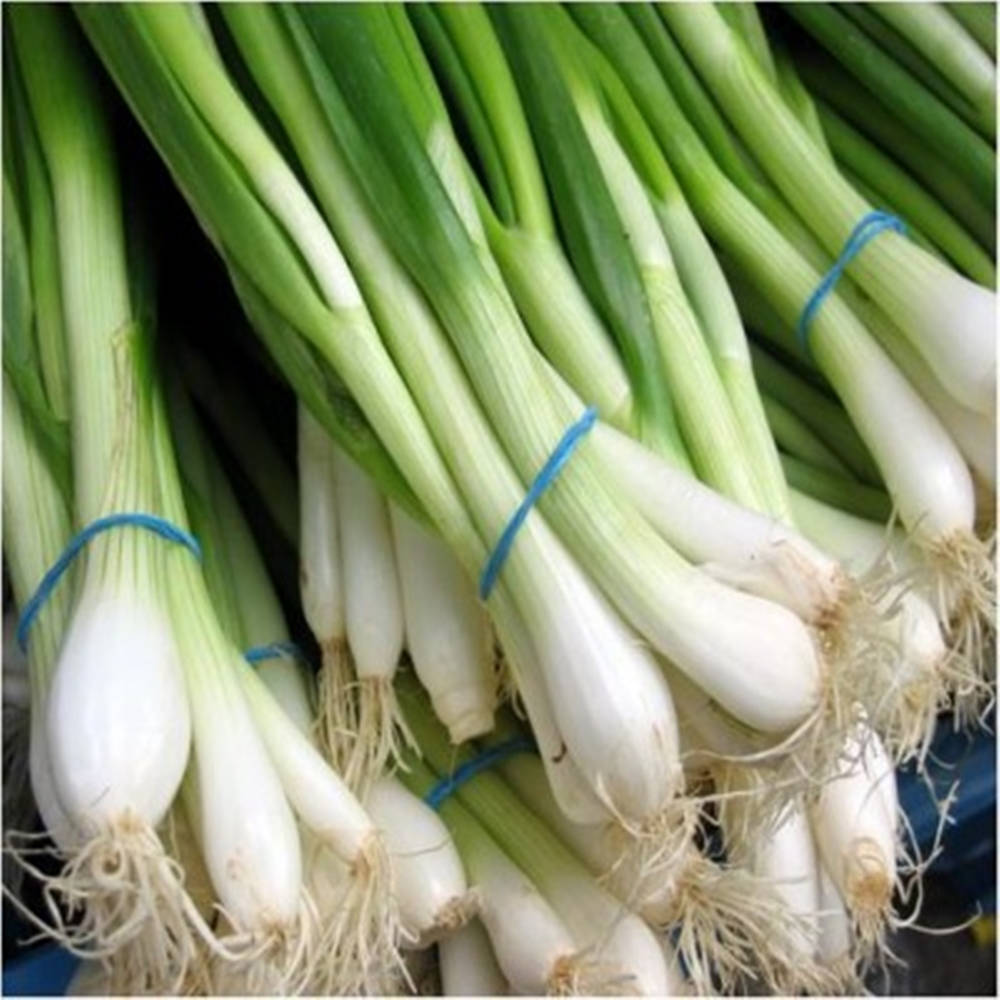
[[135, 519], [489, 757], [563, 450], [273, 651], [870, 225]]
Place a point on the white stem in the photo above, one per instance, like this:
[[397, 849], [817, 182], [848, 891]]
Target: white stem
[[320, 575], [574, 794], [468, 964], [834, 924], [430, 882], [447, 631], [117, 714], [249, 839], [372, 603], [319, 797], [529, 939], [744, 548], [854, 823]]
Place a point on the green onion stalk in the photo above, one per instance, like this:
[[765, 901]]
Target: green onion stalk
[[329, 310], [117, 720], [703, 281], [357, 930], [33, 501], [423, 350], [902, 93], [239, 425], [794, 436], [824, 417], [481, 321], [929, 483], [980, 21], [235, 573], [971, 432], [835, 87], [949, 48], [949, 319], [907, 197], [534, 948], [894, 45]]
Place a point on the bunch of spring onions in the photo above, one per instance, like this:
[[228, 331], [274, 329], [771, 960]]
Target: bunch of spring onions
[[470, 242]]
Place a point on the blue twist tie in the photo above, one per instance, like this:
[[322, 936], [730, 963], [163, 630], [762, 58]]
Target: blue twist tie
[[150, 522], [548, 472], [483, 762], [868, 228], [272, 651]]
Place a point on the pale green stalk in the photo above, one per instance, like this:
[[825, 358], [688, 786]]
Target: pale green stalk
[[745, 21], [798, 99], [36, 528], [704, 412], [76, 144], [703, 281], [235, 575], [897, 47], [886, 205], [933, 170], [43, 250]]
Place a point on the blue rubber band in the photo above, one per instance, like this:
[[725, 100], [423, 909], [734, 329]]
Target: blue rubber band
[[272, 651], [483, 762], [150, 522], [868, 228], [548, 472]]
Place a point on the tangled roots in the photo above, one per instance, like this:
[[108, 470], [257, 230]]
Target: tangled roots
[[359, 947], [121, 899], [581, 975], [731, 928], [963, 591], [380, 736], [336, 719]]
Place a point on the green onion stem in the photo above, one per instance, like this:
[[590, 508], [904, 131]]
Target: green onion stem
[[980, 20], [865, 501], [518, 222], [76, 146], [796, 438], [901, 49], [884, 204], [843, 93], [947, 46], [823, 415], [915, 106], [703, 281], [906, 196]]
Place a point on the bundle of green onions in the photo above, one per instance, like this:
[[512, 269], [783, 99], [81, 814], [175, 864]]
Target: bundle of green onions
[[671, 326]]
